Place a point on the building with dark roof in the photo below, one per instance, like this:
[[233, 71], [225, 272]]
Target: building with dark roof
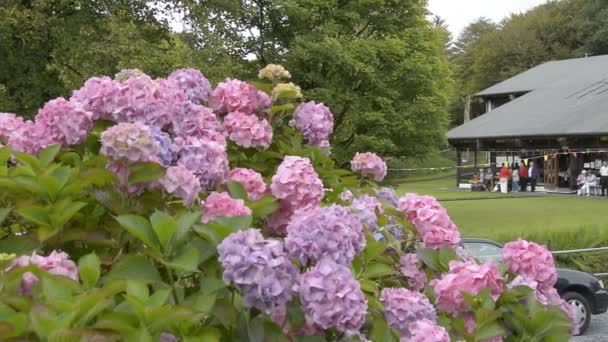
[[558, 109]]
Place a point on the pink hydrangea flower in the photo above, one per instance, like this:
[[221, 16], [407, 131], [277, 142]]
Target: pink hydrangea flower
[[531, 260], [97, 96], [431, 220], [346, 196], [57, 263], [205, 158], [238, 96], [191, 120], [251, 180], [315, 121], [248, 130], [221, 204], [369, 164], [63, 122], [193, 83], [29, 138], [426, 331], [403, 307], [297, 183], [466, 277], [151, 102], [9, 123], [182, 183], [408, 265], [133, 142]]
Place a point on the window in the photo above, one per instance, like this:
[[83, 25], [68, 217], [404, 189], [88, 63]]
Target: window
[[484, 251]]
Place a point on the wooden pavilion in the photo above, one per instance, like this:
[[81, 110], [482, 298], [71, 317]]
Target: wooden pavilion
[[555, 114]]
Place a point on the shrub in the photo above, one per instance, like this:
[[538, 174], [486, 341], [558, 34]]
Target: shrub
[[138, 228]]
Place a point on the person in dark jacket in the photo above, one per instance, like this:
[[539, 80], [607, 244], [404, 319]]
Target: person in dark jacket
[[533, 174]]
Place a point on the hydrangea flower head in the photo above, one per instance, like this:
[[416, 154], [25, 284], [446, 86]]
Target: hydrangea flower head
[[274, 72], [325, 233], [29, 138], [205, 158], [366, 208], [389, 195], [427, 331], [182, 183], [408, 265], [315, 121], [251, 180], [57, 263], [97, 96], [259, 267], [466, 277], [9, 123], [530, 260], [193, 83], [248, 130], [369, 164], [165, 150], [346, 196], [238, 96], [287, 91], [297, 183], [133, 142], [126, 74], [331, 297], [220, 204], [63, 122], [191, 120], [403, 307]]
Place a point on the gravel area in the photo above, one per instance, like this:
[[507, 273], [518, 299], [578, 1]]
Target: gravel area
[[597, 331]]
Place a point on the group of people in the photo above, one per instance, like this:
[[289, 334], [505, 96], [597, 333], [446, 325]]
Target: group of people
[[587, 180], [519, 176]]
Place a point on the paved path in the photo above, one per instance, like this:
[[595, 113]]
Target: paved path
[[597, 331]]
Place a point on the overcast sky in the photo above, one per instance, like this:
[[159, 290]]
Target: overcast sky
[[459, 13]]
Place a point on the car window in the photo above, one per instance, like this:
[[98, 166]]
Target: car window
[[484, 251]]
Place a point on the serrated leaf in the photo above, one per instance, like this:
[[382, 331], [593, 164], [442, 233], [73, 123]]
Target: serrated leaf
[[141, 228], [4, 214], [377, 270], [236, 190], [489, 331], [65, 212], [264, 206], [236, 223], [373, 249], [35, 214], [145, 172], [138, 289], [184, 224], [135, 267], [48, 154], [27, 159], [429, 257], [89, 269], [164, 227], [187, 260]]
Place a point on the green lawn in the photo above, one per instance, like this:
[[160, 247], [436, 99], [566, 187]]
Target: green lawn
[[504, 217]]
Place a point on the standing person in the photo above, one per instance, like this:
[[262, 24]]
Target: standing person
[[604, 178], [515, 177], [504, 175], [582, 184], [533, 174], [523, 177]]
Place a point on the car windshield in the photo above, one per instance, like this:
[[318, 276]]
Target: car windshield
[[484, 251]]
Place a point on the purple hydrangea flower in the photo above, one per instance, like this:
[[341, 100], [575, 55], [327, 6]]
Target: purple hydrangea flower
[[366, 208], [193, 83], [325, 233], [131, 141], [403, 307], [191, 120], [97, 96], [205, 158], [63, 122], [29, 137], [165, 151], [346, 196], [182, 183], [315, 121], [151, 102], [331, 297], [408, 265], [248, 130], [369, 164], [9, 123], [389, 195], [260, 268]]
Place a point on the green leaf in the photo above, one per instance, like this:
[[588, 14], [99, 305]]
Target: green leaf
[[138, 289], [116, 321], [135, 267], [19, 245], [4, 214], [145, 172], [89, 269], [368, 285], [140, 228], [377, 270], [35, 214], [488, 331], [286, 107], [202, 302], [159, 298], [164, 226], [28, 183], [5, 154], [28, 159], [206, 334], [373, 249], [65, 211], [187, 260], [380, 331], [446, 254], [237, 190], [429, 257], [264, 206], [211, 284], [236, 223], [295, 313], [48, 154], [184, 224]]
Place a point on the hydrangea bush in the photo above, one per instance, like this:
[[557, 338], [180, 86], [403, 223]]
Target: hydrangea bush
[[170, 209]]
